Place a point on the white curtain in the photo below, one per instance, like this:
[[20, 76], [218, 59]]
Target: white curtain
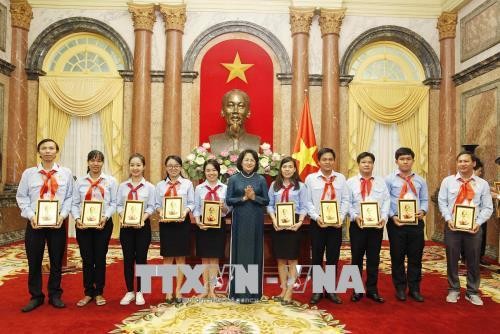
[[385, 142]]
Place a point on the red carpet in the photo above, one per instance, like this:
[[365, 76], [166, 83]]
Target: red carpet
[[432, 316]]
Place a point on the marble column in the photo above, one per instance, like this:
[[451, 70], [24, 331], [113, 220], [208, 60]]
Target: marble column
[[447, 105], [174, 17], [330, 21], [21, 15], [300, 22], [144, 18]]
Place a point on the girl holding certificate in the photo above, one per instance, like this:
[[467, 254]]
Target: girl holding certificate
[[93, 240], [287, 188], [210, 240], [174, 234], [135, 239]]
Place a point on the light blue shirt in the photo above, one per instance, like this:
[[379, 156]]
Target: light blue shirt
[[448, 193], [146, 193], [82, 185], [298, 196], [28, 192], [184, 189], [315, 185], [199, 197], [378, 193], [395, 183]]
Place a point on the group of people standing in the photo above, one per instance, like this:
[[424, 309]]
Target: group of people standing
[[247, 198]]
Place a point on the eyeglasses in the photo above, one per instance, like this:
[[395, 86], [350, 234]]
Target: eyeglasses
[[173, 166]]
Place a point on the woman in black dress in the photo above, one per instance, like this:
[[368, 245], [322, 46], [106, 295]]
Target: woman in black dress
[[247, 194], [210, 241], [286, 240]]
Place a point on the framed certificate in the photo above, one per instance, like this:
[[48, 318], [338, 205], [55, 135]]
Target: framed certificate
[[47, 214], [407, 211], [285, 214], [133, 213], [172, 209], [211, 214], [464, 217], [497, 186], [330, 213], [91, 214], [370, 214]]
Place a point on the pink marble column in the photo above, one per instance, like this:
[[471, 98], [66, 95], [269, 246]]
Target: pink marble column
[[174, 17], [447, 105], [300, 22], [330, 21], [21, 15], [144, 18]]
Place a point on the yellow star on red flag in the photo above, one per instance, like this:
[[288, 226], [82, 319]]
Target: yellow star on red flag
[[236, 69], [305, 156]]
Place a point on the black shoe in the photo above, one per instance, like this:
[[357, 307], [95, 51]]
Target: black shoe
[[315, 298], [33, 304], [334, 298], [57, 302], [483, 262], [178, 300], [416, 296], [356, 297], [401, 295], [375, 297]]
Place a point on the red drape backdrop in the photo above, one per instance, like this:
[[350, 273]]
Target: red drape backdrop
[[259, 87]]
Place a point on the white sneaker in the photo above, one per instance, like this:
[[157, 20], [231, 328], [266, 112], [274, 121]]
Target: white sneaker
[[129, 296], [453, 296], [139, 299], [474, 299]]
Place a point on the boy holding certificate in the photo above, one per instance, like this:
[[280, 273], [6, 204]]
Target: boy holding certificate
[[464, 190], [406, 237], [366, 230]]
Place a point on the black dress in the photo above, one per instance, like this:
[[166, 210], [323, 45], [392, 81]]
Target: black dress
[[211, 243], [247, 227]]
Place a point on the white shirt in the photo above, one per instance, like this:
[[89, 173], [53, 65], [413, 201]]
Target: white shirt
[[146, 193], [82, 185]]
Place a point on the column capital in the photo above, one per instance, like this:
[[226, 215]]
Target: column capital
[[446, 24], [301, 19], [174, 16], [330, 20], [21, 14], [143, 16]]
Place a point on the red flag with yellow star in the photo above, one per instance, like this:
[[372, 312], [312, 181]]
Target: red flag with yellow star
[[305, 149]]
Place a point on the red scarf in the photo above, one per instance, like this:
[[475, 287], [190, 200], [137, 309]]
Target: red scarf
[[408, 183], [328, 186], [133, 191], [286, 193], [88, 195], [366, 187], [171, 190], [466, 192], [49, 183], [212, 193]]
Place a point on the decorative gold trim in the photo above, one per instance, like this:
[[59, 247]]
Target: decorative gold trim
[[174, 16], [446, 25], [330, 20], [21, 14], [301, 19], [143, 16]]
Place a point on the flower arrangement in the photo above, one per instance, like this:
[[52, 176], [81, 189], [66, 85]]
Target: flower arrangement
[[193, 164]]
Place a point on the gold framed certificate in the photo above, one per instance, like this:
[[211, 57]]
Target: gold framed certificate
[[91, 214], [497, 199], [133, 213], [211, 214], [47, 214], [330, 213], [285, 214], [464, 217], [497, 186], [370, 214], [407, 211], [172, 208]]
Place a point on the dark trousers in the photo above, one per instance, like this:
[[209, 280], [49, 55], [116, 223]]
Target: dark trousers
[[369, 241], [93, 245], [471, 245], [34, 242], [135, 244], [329, 239], [406, 241], [484, 231]]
